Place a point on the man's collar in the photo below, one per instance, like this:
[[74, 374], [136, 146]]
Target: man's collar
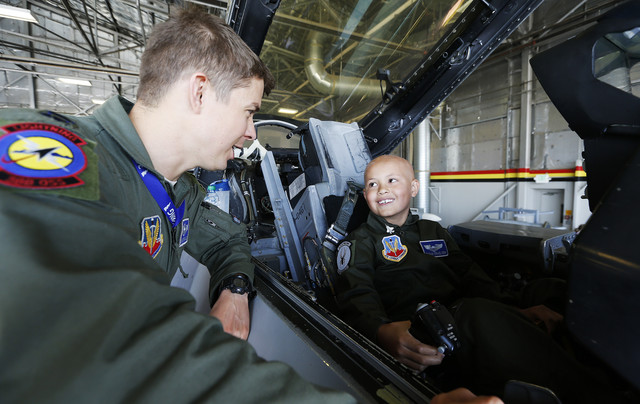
[[113, 115]]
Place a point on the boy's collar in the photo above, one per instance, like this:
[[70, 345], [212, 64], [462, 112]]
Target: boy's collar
[[392, 228]]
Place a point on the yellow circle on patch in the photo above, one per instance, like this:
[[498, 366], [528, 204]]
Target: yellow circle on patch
[[40, 153]]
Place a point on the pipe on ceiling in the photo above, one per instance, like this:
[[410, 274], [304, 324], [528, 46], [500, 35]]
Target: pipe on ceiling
[[331, 84]]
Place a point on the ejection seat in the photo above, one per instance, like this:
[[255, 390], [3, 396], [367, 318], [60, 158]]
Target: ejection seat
[[303, 193], [314, 215]]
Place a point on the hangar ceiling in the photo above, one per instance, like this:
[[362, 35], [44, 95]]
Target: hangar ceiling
[[101, 41]]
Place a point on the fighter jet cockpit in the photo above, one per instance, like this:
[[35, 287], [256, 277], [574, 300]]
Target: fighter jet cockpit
[[298, 189]]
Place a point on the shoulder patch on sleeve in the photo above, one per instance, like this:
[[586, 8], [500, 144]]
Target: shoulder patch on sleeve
[[343, 256], [46, 157]]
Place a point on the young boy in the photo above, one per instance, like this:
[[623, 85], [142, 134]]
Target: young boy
[[395, 261]]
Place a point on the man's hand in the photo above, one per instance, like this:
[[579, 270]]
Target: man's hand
[[396, 339], [232, 309], [464, 396], [541, 314]]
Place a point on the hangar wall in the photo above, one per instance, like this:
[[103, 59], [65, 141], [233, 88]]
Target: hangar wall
[[498, 142]]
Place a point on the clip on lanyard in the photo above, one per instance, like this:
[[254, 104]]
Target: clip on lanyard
[[160, 194]]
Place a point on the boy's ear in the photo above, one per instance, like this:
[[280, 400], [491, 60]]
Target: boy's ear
[[415, 187], [364, 195]]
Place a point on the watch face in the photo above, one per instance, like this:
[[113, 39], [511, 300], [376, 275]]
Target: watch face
[[239, 284]]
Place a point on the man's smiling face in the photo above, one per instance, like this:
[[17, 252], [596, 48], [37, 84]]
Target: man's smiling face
[[227, 124]]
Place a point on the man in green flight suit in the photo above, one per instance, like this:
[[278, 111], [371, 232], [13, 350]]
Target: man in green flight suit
[[95, 212]]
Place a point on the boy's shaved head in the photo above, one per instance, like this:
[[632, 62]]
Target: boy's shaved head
[[399, 162]]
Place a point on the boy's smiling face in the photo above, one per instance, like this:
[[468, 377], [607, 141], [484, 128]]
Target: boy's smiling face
[[389, 185]]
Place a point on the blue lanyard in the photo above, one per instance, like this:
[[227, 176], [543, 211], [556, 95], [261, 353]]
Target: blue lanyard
[[160, 194]]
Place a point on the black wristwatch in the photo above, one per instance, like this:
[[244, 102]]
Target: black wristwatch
[[238, 283]]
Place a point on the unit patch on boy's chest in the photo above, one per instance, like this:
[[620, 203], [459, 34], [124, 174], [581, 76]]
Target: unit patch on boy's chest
[[393, 249], [436, 248]]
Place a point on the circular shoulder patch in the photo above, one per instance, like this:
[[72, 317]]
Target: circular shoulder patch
[[40, 156], [343, 256]]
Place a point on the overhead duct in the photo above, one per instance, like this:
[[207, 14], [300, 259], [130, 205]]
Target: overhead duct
[[331, 84]]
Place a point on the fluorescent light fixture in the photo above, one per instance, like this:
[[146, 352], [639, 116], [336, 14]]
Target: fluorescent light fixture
[[17, 13], [287, 111], [451, 12], [97, 101], [79, 82]]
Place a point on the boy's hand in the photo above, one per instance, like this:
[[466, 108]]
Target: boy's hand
[[396, 339], [543, 315]]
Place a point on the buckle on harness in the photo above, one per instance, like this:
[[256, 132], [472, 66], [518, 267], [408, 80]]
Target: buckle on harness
[[333, 238]]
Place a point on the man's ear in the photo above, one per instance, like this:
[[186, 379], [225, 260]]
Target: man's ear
[[415, 187], [197, 87]]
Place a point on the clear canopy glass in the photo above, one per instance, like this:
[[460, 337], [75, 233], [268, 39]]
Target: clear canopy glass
[[326, 57]]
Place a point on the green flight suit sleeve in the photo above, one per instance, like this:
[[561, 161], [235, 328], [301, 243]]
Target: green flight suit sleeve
[[220, 244], [86, 316], [360, 304]]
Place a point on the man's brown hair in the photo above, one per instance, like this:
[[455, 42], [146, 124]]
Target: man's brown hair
[[191, 41]]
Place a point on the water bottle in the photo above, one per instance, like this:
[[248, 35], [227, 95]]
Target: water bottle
[[218, 194]]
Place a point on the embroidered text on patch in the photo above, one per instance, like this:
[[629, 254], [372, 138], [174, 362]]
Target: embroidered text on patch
[[393, 248], [436, 248], [40, 156], [152, 238]]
